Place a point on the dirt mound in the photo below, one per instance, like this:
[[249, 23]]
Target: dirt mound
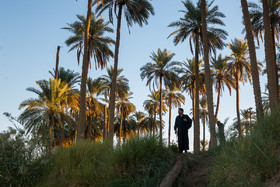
[[274, 181], [195, 171]]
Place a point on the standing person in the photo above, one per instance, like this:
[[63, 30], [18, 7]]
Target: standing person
[[181, 127]]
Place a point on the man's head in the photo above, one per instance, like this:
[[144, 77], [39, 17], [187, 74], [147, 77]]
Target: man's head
[[180, 111]]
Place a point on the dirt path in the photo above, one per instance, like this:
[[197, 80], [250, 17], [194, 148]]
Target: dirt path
[[195, 171]]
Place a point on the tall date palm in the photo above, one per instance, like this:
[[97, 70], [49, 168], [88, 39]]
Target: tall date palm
[[161, 70], [270, 58], [190, 26], [124, 107], [135, 11], [173, 99], [89, 35], [253, 58], [221, 78], [239, 68]]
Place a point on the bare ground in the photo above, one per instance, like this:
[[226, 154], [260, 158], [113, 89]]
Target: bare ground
[[194, 171]]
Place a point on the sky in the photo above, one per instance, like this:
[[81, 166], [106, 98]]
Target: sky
[[31, 31]]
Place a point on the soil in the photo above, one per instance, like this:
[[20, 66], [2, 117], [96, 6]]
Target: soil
[[274, 181], [194, 173]]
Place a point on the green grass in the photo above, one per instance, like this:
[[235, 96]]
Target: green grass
[[142, 162], [139, 162], [251, 160]]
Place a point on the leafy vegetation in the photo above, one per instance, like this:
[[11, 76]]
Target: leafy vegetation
[[139, 162], [251, 160], [20, 164]]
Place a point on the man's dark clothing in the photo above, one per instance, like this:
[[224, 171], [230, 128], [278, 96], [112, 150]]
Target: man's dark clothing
[[183, 127]]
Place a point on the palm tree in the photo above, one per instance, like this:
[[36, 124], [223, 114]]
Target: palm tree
[[191, 26], [266, 103], [240, 70], [221, 78], [122, 86], [48, 108], [188, 81], [122, 82], [89, 33], [69, 76], [94, 107], [139, 116], [57, 62], [248, 120], [270, 58], [124, 108], [152, 105], [203, 115], [173, 99], [129, 127], [208, 81], [256, 16], [253, 58], [161, 70], [135, 11], [147, 124]]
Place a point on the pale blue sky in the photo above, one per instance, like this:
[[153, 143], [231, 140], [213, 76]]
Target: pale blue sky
[[31, 30]]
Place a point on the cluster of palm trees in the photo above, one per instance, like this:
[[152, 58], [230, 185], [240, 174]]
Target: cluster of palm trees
[[73, 113], [240, 66]]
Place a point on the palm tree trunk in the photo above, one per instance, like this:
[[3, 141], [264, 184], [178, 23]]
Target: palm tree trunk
[[160, 108], [196, 111], [269, 58], [193, 105], [193, 108], [51, 125], [218, 102], [208, 79], [138, 130], [61, 135], [82, 113], [108, 121], [155, 120], [237, 104], [169, 129], [274, 51], [204, 143], [114, 80], [105, 123], [253, 58], [121, 127], [57, 62], [89, 127]]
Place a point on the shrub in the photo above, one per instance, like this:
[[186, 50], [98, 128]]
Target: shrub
[[142, 162], [83, 164], [139, 162], [250, 160], [18, 164]]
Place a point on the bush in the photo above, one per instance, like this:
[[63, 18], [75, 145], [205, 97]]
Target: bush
[[142, 162], [139, 162], [19, 165], [250, 160], [83, 164]]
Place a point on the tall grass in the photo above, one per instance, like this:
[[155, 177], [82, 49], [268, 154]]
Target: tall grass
[[142, 162], [251, 160], [83, 164], [139, 162]]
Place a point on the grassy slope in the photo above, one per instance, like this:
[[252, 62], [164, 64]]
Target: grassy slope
[[142, 162], [251, 160]]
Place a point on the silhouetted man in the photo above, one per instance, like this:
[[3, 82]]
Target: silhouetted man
[[181, 127]]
